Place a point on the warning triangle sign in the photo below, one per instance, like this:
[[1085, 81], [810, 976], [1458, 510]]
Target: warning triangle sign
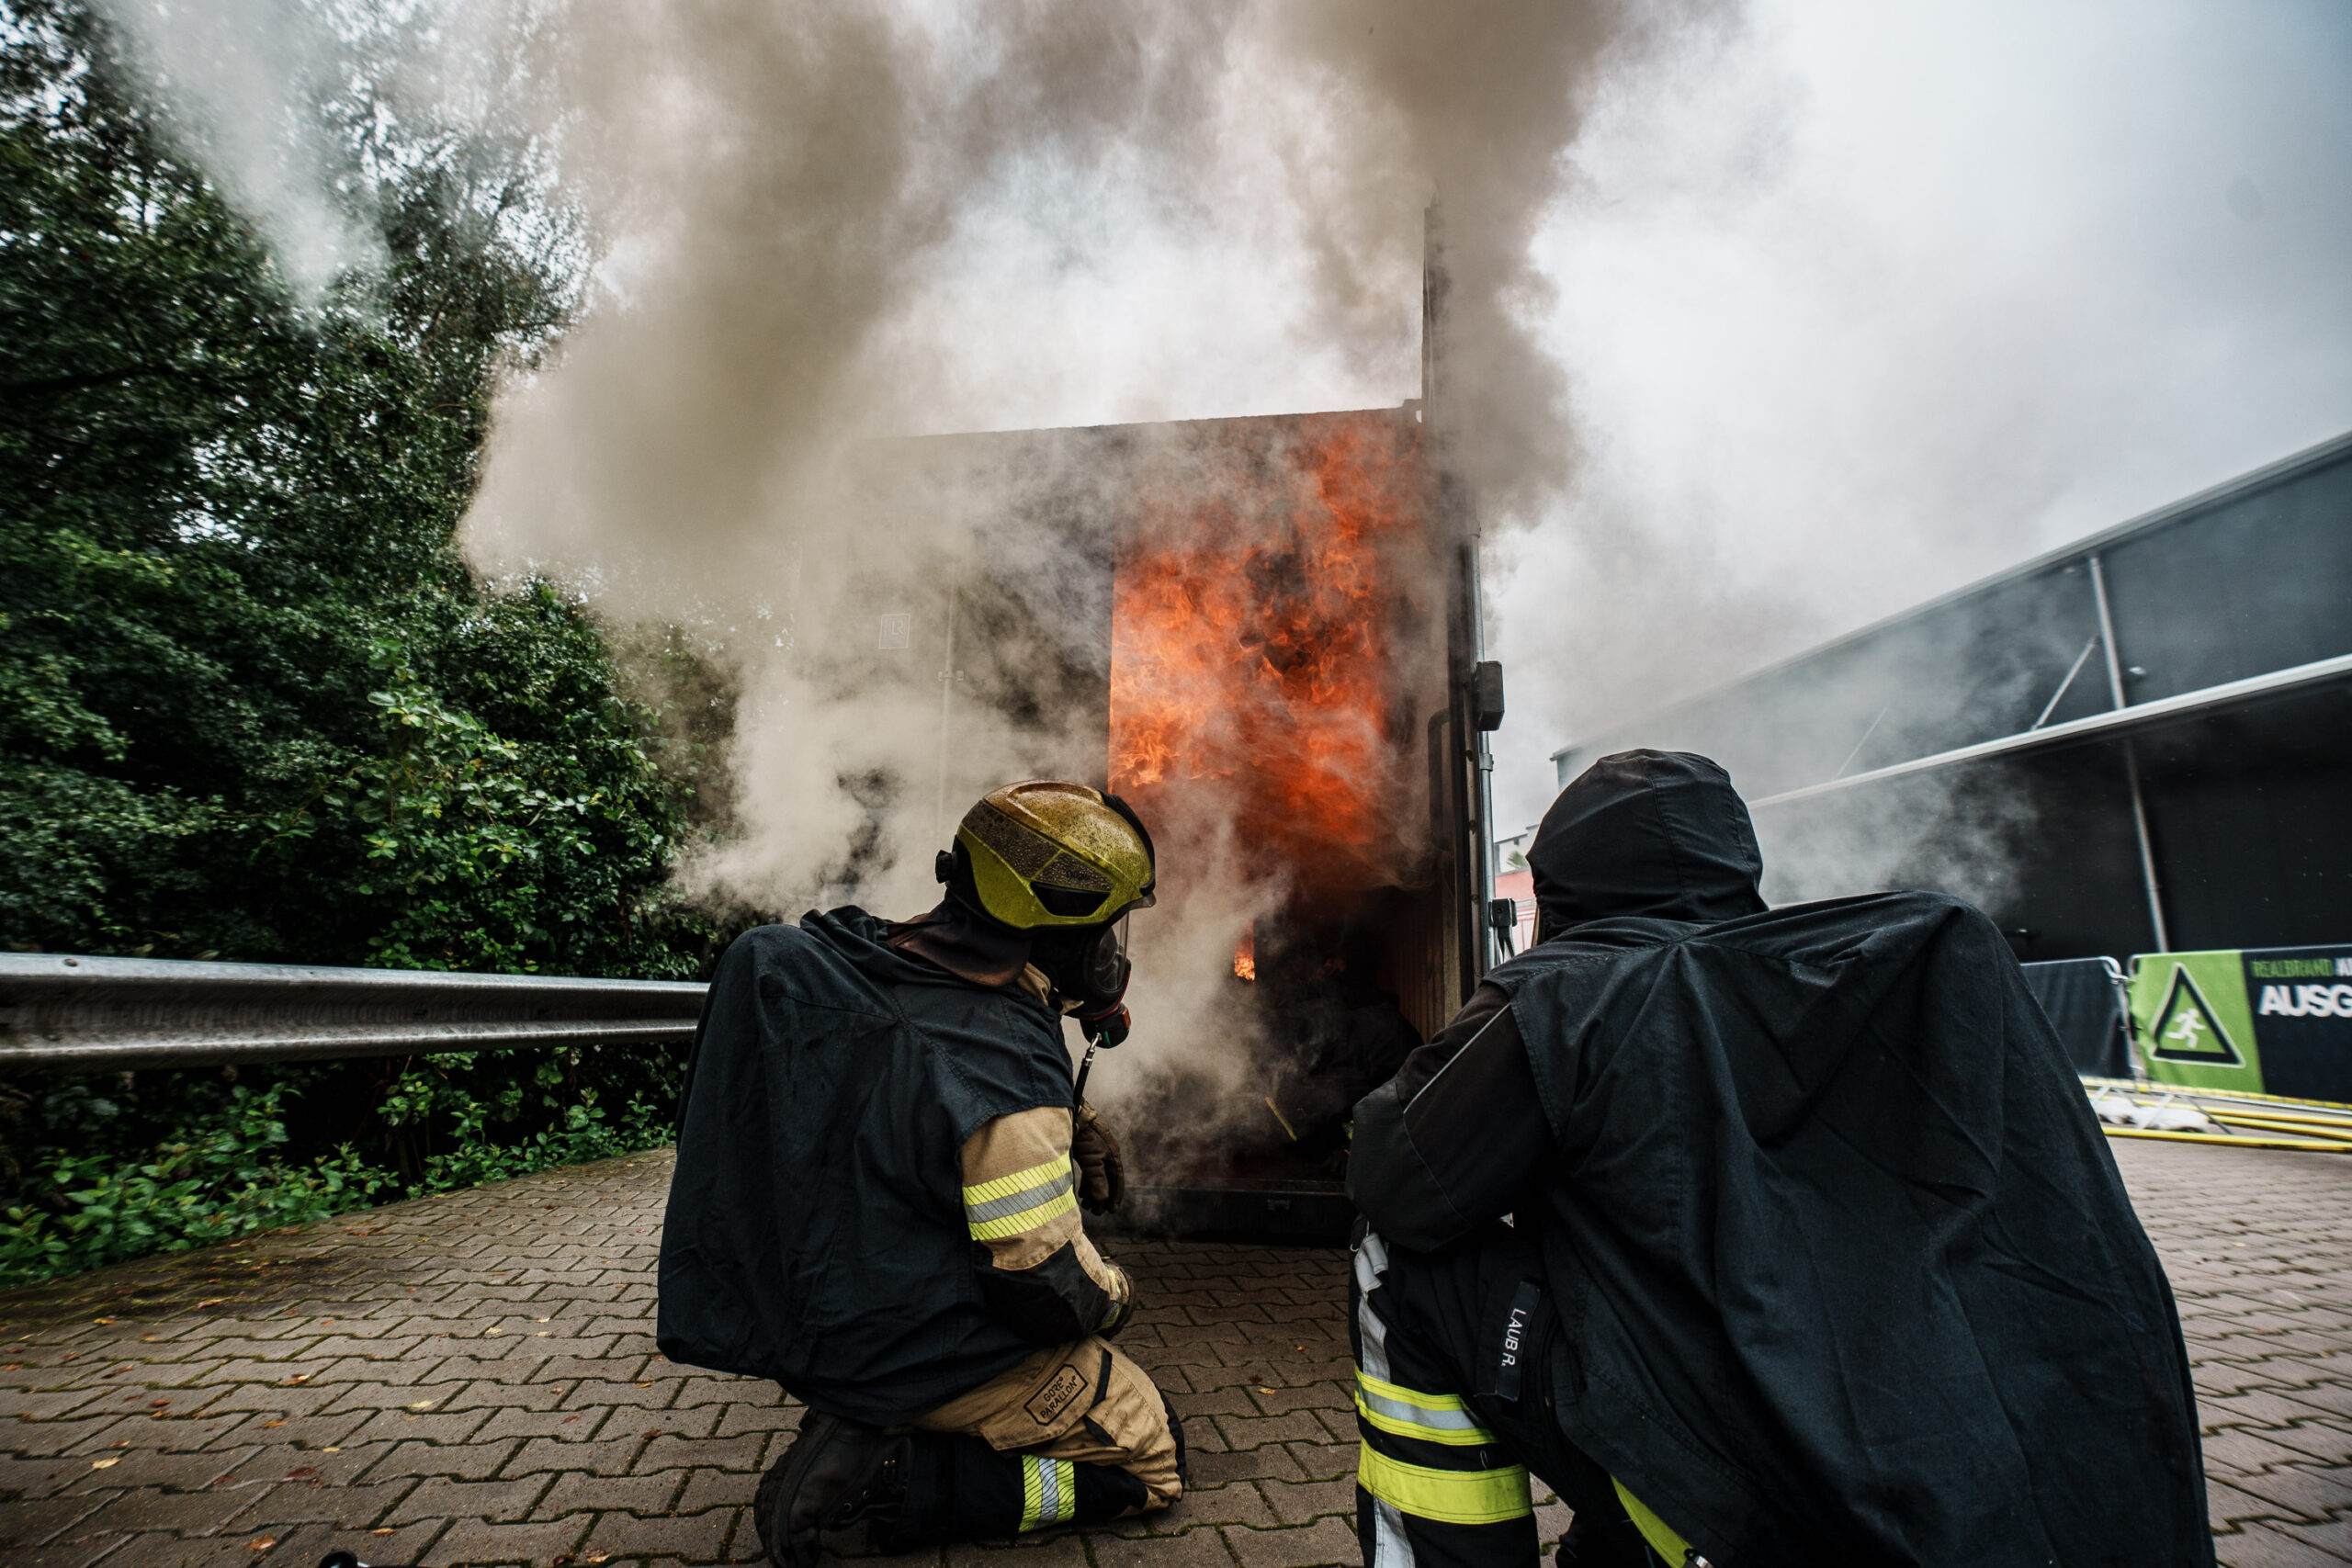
[[2186, 1029]]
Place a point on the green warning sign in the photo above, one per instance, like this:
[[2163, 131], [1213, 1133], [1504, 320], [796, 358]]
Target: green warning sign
[[2186, 1030], [2271, 1020], [2192, 1021]]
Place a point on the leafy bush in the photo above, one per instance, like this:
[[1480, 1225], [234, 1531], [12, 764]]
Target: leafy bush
[[224, 1179], [116, 1167]]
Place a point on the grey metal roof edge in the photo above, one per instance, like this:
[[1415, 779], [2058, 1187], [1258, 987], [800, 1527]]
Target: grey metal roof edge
[[2275, 683], [2275, 473]]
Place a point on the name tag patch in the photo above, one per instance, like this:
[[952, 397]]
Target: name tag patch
[[1050, 1403], [1518, 1331]]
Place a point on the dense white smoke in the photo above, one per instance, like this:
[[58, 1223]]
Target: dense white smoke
[[245, 85], [813, 217], [1765, 321]]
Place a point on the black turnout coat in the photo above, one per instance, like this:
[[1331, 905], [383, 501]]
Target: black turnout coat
[[816, 1232], [1843, 1267]]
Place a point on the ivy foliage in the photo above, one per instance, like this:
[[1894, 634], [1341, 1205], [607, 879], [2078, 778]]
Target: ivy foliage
[[123, 1166], [253, 704]]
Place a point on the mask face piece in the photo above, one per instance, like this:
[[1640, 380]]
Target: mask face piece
[[1089, 965]]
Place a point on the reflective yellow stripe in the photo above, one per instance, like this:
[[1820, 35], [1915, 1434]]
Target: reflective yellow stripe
[[1410, 1413], [1027, 1219], [1021, 1201], [1662, 1540], [1048, 1491], [1019, 1181], [1449, 1496]]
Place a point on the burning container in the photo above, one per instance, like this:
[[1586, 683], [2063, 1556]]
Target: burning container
[[1263, 632]]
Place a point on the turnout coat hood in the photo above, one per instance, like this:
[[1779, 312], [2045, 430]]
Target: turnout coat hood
[[1844, 1269], [816, 1232]]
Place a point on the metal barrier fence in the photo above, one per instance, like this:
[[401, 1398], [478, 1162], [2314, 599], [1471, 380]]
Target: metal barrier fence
[[62, 1013]]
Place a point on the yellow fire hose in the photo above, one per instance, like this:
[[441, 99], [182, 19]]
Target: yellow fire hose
[[2271, 1117], [2308, 1126], [2131, 1085], [2232, 1138]]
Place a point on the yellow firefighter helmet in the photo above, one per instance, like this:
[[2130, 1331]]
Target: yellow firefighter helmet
[[1043, 853]]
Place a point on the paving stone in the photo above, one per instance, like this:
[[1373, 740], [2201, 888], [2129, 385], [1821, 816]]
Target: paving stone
[[2256, 1407], [23, 1478], [2328, 1535], [579, 1492], [1212, 1469], [2328, 1440], [744, 1416], [2260, 1546], [485, 1541], [346, 1506], [1303, 1546], [1235, 1503], [696, 1539], [1240, 1432], [1296, 1501], [2301, 1491], [460, 1461], [2240, 1451], [154, 1509], [148, 1467], [438, 1497], [716, 1488], [26, 1522], [78, 1552], [2226, 1505], [1202, 1547], [1320, 1461]]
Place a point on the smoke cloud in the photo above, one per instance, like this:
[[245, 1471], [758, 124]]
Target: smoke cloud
[[827, 228], [249, 86], [1763, 321], [803, 207]]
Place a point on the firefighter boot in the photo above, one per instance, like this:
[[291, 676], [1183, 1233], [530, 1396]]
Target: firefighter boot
[[836, 1474]]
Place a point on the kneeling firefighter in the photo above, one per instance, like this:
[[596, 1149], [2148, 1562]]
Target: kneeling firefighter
[[880, 1161], [1764, 1237]]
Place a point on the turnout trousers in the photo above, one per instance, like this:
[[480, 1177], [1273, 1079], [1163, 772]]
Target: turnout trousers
[[1455, 1401], [1077, 1434]]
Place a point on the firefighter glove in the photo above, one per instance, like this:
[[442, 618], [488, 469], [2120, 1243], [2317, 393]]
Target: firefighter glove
[[1101, 1175]]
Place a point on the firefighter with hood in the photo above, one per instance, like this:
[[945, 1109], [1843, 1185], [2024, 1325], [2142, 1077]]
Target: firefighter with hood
[[1763, 1236], [880, 1162]]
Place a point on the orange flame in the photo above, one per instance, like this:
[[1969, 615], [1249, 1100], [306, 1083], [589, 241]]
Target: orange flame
[[1254, 643], [1245, 955]]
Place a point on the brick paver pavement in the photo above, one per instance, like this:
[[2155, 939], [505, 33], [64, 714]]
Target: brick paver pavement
[[472, 1379]]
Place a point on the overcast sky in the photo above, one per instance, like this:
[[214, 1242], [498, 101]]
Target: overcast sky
[[1875, 300]]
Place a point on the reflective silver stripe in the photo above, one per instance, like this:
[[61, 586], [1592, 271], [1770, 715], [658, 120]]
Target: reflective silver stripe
[[1370, 1263], [1391, 1548], [1020, 1202], [1049, 1492], [1389, 1540], [1416, 1415]]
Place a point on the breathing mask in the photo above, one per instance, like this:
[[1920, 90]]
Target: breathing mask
[[1089, 969]]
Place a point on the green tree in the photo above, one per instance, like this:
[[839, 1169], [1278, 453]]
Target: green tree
[[253, 705]]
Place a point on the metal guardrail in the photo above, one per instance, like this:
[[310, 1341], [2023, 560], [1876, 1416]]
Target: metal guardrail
[[62, 1013]]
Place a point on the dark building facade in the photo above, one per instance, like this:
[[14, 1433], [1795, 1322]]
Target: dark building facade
[[2140, 742]]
